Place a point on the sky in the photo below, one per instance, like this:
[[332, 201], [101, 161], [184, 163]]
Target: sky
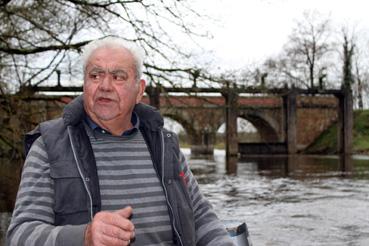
[[248, 31]]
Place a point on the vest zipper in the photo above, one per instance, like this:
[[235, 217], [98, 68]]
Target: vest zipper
[[80, 172], [165, 189]]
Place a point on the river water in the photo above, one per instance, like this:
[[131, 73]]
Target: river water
[[303, 200], [306, 200]]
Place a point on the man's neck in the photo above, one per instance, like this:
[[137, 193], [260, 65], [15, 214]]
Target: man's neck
[[116, 126]]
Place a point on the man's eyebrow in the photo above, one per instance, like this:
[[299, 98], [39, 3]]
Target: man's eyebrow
[[97, 69], [118, 70]]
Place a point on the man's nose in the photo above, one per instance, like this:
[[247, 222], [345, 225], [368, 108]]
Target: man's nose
[[106, 83]]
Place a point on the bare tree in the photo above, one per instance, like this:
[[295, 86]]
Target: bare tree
[[360, 74], [354, 56], [359, 86], [305, 53], [304, 59], [355, 43], [348, 46], [39, 36], [281, 71]]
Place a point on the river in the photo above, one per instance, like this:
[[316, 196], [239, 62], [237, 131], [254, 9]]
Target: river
[[303, 200], [307, 200]]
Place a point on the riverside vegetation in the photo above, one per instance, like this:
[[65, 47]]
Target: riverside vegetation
[[327, 141]]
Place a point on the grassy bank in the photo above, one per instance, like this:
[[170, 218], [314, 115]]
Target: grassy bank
[[327, 142]]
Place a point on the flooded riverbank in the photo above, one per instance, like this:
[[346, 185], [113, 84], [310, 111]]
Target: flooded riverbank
[[303, 200]]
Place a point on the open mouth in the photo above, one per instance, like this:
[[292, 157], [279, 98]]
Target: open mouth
[[104, 100]]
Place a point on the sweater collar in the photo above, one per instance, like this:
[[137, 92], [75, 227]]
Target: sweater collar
[[95, 127]]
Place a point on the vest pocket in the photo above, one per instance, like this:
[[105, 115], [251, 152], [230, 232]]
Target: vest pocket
[[70, 194]]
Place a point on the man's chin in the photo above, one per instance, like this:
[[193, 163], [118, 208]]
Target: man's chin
[[104, 113], [105, 117]]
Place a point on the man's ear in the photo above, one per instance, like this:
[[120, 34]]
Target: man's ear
[[141, 90]]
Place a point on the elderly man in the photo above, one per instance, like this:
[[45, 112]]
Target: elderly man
[[107, 173]]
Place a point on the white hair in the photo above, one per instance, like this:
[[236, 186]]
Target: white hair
[[113, 42]]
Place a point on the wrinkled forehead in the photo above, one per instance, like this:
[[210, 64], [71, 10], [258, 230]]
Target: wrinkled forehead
[[110, 57]]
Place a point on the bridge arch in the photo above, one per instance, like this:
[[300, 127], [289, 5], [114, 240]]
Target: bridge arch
[[267, 127], [174, 126], [187, 126], [201, 133]]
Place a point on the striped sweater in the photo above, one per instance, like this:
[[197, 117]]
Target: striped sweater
[[126, 177]]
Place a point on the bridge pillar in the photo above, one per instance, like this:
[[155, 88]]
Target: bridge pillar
[[154, 95], [231, 140], [345, 122], [202, 143], [290, 114]]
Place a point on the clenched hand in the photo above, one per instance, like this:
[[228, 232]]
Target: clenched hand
[[110, 228]]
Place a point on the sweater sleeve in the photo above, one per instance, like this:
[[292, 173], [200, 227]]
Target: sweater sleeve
[[209, 229], [32, 222]]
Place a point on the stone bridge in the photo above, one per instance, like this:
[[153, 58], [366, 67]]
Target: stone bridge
[[289, 118], [202, 116]]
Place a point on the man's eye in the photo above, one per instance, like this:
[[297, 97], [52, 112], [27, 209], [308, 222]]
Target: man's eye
[[94, 76], [119, 77]]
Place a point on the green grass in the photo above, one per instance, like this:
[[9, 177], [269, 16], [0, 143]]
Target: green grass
[[327, 142], [361, 132]]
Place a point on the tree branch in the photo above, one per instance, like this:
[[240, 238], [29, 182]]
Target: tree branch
[[18, 51]]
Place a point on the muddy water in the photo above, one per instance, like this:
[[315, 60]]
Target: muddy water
[[303, 200]]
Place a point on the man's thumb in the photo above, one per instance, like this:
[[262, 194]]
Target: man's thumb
[[125, 212]]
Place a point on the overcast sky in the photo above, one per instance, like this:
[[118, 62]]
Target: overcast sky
[[248, 31]]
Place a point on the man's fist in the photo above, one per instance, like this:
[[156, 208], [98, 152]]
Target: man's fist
[[110, 228]]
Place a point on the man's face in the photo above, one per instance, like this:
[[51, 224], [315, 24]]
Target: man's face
[[110, 86]]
